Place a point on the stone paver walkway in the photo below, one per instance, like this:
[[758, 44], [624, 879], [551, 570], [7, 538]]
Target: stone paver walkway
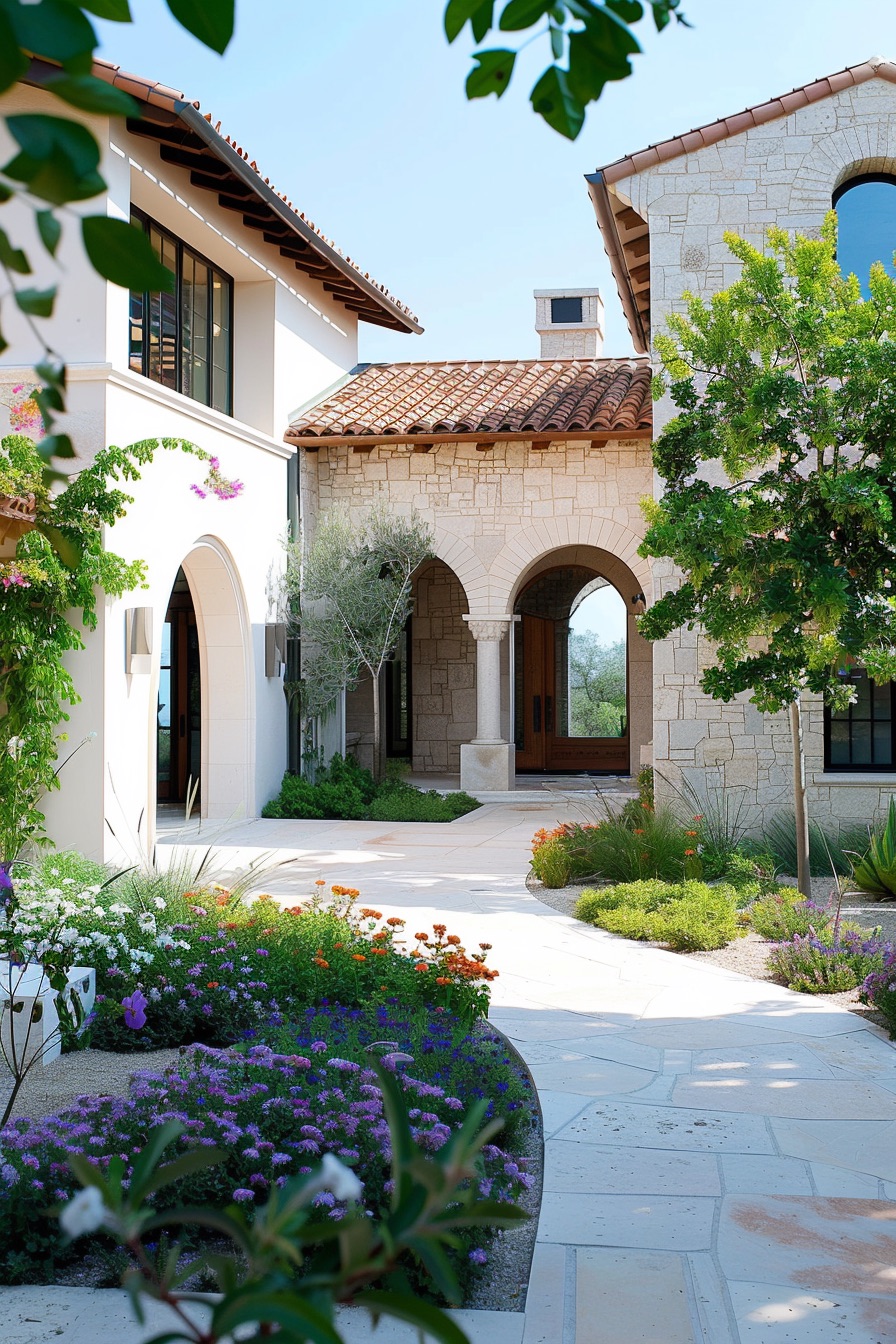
[[720, 1154]]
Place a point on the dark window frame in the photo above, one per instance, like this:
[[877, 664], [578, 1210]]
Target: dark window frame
[[148, 223], [397, 747], [859, 181], [861, 768]]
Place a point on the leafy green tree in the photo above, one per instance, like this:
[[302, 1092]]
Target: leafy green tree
[[597, 685], [349, 595], [596, 39], [780, 481]]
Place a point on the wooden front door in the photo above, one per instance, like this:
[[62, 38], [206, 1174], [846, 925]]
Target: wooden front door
[[179, 712], [543, 737]]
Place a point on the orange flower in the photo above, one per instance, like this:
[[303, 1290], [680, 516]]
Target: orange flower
[[439, 929], [358, 956], [212, 984], [421, 966], [421, 937], [691, 833], [339, 945], [320, 882], [396, 922], [378, 937], [453, 939], [443, 980], [319, 961], [265, 896], [222, 898], [689, 852], [486, 947], [384, 989], [294, 910], [380, 951]]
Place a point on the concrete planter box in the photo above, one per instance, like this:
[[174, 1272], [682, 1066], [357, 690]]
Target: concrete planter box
[[29, 1021]]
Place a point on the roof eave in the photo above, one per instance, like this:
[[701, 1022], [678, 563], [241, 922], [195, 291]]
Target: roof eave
[[489, 437], [606, 222]]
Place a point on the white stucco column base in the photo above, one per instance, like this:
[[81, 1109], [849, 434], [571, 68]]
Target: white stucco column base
[[487, 766]]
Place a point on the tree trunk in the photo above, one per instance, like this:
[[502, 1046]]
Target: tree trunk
[[803, 877], [377, 732]]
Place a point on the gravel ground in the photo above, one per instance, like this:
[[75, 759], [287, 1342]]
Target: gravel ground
[[749, 955], [51, 1087]]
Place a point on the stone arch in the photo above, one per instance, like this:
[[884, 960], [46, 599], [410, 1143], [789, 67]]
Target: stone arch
[[519, 558], [628, 583], [226, 673], [460, 557]]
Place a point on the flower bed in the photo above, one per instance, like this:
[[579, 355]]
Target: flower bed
[[207, 967], [276, 1112]]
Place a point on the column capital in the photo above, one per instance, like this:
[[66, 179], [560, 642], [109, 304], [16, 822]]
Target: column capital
[[490, 628]]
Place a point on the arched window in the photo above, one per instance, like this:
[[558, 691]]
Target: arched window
[[866, 224]]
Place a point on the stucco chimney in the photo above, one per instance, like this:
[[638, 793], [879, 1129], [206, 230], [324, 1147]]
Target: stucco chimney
[[570, 323]]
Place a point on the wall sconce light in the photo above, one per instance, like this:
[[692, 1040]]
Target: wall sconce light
[[138, 640], [639, 604], [274, 649]]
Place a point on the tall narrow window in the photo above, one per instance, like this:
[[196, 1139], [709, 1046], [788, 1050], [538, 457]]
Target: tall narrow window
[[866, 225], [184, 340]]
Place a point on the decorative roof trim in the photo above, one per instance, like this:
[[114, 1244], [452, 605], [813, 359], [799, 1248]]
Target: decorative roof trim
[[163, 107]]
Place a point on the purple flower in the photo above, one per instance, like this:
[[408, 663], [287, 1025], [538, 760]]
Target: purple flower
[[242, 1196], [135, 1010], [478, 1256]]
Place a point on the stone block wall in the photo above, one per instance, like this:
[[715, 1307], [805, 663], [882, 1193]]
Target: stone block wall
[[783, 172], [443, 676]]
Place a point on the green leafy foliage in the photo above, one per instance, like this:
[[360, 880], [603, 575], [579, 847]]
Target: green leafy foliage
[[832, 849], [785, 913], [622, 848], [875, 870], [830, 961], [687, 916], [597, 686], [345, 790], [787, 566], [598, 36]]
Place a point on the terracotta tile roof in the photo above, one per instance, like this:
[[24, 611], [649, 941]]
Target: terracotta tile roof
[[625, 233], [190, 139], [492, 399], [710, 134]]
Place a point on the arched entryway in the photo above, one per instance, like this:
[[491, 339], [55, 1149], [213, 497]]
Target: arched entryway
[[204, 722], [582, 674]]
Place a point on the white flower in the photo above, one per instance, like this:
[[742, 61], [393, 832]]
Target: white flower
[[84, 1212], [158, 902], [336, 1177], [14, 747]]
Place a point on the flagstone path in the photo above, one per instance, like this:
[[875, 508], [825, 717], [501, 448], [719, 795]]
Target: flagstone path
[[720, 1153]]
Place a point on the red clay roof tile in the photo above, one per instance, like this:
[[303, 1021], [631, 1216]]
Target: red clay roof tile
[[525, 398]]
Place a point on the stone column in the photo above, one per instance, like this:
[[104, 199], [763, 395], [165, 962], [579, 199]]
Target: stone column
[[486, 763]]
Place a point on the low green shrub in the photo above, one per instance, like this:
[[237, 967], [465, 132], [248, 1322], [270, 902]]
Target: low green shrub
[[827, 964], [552, 863], [688, 916], [404, 803], [345, 791]]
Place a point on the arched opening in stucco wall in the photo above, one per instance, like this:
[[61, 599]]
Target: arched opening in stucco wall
[[204, 736], [582, 674]]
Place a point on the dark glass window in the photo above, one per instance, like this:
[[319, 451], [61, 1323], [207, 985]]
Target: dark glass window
[[866, 225], [185, 340], [566, 310], [398, 697], [861, 737]]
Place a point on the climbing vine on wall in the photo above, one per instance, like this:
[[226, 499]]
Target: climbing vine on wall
[[48, 596]]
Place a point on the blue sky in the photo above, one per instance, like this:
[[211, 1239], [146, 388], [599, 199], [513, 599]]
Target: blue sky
[[356, 109]]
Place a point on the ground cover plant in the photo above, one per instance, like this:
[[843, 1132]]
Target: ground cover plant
[[688, 916], [344, 790], [275, 1112]]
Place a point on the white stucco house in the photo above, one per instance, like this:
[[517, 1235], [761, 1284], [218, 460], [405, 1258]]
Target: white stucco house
[[182, 681]]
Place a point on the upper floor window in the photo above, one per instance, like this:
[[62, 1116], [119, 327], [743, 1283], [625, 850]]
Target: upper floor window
[[861, 737], [184, 340], [866, 225]]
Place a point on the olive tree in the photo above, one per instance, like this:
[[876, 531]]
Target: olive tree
[[779, 477], [349, 595]]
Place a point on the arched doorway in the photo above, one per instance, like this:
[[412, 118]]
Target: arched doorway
[[179, 713], [571, 673]]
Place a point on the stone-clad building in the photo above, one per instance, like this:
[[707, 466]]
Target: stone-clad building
[[531, 474], [663, 213]]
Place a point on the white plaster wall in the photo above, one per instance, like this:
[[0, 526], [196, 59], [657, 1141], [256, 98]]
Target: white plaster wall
[[783, 173]]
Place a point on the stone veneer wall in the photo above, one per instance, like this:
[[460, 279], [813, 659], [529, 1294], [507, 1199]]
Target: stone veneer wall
[[497, 516], [443, 671], [783, 172]]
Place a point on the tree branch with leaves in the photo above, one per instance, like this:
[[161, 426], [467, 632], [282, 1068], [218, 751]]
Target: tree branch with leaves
[[779, 471]]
